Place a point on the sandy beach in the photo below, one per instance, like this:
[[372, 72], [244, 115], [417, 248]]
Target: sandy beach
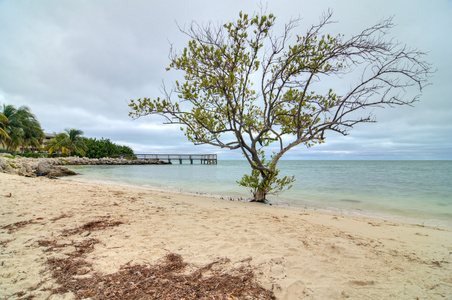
[[295, 254]]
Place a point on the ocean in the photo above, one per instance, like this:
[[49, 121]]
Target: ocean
[[414, 191]]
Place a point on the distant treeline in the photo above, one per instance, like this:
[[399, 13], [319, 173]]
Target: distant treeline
[[103, 148], [21, 132]]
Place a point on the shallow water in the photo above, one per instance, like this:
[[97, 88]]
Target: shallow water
[[416, 191]]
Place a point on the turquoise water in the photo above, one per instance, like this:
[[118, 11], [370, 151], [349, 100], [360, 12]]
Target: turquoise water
[[415, 191]]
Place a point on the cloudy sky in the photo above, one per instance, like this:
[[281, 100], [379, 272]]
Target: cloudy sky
[[76, 63]]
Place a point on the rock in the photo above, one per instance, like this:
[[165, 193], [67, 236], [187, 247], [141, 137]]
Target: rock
[[11, 170], [27, 167], [60, 172], [51, 166], [22, 171], [3, 166], [43, 168], [7, 168]]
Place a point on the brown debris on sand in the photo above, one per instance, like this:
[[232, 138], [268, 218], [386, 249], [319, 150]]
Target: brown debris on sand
[[15, 226], [169, 278], [92, 226], [165, 280]]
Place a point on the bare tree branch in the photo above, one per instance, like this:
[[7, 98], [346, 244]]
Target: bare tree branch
[[291, 104]]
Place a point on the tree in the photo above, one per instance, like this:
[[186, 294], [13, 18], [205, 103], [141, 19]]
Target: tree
[[3, 124], [68, 142], [33, 135], [248, 88], [19, 127], [75, 142], [57, 144], [104, 147]]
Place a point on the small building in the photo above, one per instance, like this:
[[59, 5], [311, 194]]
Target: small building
[[47, 138]]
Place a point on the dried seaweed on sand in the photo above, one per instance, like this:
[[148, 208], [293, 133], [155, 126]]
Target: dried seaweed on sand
[[92, 226], [15, 226], [170, 278], [165, 280]]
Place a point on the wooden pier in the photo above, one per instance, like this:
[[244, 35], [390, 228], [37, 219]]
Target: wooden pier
[[209, 159]]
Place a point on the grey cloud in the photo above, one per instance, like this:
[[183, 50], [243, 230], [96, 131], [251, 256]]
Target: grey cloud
[[77, 63]]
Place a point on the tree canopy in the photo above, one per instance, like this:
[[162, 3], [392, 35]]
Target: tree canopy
[[72, 142], [19, 127], [69, 142], [104, 147], [246, 87]]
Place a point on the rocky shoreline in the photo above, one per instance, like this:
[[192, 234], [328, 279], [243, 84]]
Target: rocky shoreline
[[54, 167]]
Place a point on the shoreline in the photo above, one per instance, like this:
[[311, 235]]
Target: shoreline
[[383, 215], [53, 167], [296, 253]]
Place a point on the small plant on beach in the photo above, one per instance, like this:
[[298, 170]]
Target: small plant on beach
[[247, 88], [12, 165]]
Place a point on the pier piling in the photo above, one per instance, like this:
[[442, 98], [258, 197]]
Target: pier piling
[[209, 159]]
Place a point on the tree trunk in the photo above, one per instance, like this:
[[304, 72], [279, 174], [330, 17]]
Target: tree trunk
[[263, 188], [259, 196]]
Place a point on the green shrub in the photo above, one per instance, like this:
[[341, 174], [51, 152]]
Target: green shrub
[[13, 153], [34, 155], [56, 155], [104, 147], [12, 165]]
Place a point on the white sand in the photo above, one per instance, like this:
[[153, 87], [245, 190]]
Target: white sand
[[299, 254]]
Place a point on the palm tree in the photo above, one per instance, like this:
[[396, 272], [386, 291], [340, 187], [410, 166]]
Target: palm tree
[[68, 142], [9, 126], [19, 127], [57, 143], [75, 142], [33, 135], [3, 124]]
